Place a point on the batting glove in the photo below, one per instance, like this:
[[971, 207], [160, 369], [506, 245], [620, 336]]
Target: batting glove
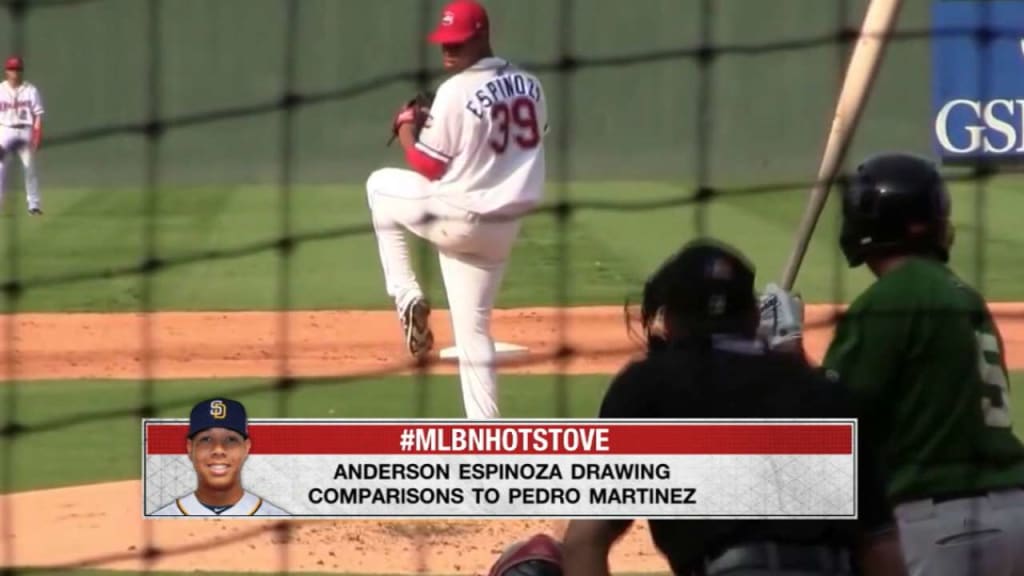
[[782, 317]]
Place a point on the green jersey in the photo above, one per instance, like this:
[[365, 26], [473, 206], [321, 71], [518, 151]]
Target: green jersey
[[920, 350]]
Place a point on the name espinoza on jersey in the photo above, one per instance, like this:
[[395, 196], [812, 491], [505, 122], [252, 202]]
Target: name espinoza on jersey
[[503, 87]]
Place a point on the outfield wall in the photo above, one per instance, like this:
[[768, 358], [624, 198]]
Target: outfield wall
[[634, 107]]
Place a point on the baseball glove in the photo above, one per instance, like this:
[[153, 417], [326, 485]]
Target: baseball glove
[[416, 112]]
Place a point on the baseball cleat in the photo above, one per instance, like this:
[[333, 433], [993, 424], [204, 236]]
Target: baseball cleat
[[35, 212], [419, 339]]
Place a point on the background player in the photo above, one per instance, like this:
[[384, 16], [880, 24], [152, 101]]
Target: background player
[[21, 128], [922, 353], [218, 445], [704, 360], [477, 167]]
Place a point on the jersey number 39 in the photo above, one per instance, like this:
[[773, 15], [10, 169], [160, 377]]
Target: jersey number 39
[[514, 121], [995, 395]]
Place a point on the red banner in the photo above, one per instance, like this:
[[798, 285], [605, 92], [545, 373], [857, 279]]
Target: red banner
[[611, 438]]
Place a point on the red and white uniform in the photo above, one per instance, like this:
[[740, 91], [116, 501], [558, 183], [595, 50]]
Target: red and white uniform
[[477, 167], [485, 137], [19, 108]]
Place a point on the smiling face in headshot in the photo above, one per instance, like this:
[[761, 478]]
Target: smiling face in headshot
[[218, 454]]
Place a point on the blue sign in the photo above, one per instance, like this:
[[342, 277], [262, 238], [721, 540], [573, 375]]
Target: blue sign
[[978, 79]]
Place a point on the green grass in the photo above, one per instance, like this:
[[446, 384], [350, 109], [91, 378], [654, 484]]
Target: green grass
[[608, 251], [107, 448]]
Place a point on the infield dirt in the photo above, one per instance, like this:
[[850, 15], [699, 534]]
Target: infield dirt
[[101, 525]]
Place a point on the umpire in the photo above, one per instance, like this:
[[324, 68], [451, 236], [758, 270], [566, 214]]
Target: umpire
[[704, 360]]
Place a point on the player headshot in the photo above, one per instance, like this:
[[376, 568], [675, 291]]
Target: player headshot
[[218, 445]]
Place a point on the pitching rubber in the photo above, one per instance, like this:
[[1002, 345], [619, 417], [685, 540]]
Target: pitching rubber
[[502, 350]]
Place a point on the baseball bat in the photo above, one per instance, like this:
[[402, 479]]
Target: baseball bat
[[860, 76]]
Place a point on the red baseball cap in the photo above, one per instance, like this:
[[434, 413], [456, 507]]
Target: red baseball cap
[[14, 63], [460, 21]]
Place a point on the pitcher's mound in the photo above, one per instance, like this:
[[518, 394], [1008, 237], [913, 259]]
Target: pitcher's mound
[[502, 351]]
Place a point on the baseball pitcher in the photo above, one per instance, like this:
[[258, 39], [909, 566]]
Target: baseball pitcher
[[21, 128], [477, 157], [922, 353]]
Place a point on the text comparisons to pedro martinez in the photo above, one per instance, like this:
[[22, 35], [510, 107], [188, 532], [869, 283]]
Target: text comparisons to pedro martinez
[[676, 470], [528, 473]]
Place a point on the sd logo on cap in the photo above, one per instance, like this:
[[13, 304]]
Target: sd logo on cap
[[218, 413]]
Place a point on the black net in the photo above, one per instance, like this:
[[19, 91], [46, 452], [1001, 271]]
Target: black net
[[723, 101]]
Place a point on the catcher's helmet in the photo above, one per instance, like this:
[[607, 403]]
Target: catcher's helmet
[[540, 555], [705, 288], [896, 203]]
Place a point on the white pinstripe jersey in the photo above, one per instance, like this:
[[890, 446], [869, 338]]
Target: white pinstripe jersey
[[249, 505], [488, 124]]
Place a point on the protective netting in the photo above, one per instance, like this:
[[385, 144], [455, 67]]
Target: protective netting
[[722, 99]]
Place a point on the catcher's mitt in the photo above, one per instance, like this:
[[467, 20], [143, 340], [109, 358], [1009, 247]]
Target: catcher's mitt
[[416, 112]]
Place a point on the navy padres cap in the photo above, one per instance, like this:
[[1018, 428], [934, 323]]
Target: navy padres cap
[[218, 413]]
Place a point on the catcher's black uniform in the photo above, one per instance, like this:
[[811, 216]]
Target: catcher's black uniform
[[725, 373]]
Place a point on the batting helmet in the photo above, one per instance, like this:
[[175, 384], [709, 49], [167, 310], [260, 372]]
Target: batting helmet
[[897, 203], [707, 287], [540, 555], [14, 63]]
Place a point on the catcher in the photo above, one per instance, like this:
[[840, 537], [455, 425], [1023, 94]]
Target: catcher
[[476, 153], [705, 360]]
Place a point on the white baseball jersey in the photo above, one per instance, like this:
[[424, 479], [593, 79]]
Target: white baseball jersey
[[488, 124], [249, 505], [19, 106]]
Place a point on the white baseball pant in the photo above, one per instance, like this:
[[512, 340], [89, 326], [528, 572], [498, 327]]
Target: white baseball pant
[[981, 536], [20, 140], [473, 255]]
